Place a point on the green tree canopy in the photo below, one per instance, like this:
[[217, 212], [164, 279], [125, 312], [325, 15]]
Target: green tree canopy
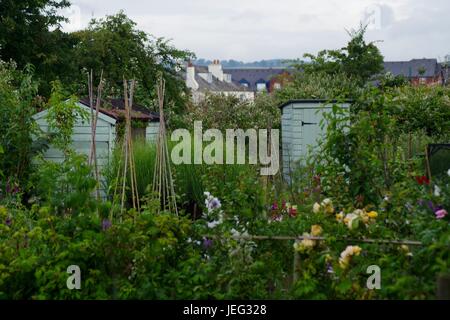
[[359, 60], [26, 38], [117, 47]]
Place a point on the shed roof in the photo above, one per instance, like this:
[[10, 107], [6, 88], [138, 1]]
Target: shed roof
[[313, 101], [115, 108]]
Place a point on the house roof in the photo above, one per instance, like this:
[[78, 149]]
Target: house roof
[[413, 67], [314, 101], [115, 108], [217, 85], [253, 75]]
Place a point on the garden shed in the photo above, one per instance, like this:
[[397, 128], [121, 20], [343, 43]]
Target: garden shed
[[300, 128], [110, 122]]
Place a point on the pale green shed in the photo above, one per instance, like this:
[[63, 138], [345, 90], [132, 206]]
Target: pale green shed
[[300, 129], [109, 124]]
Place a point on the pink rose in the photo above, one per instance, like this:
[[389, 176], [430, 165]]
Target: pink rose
[[441, 213]]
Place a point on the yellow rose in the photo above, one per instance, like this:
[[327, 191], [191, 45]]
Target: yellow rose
[[305, 244], [328, 205], [316, 208], [329, 209], [372, 214], [344, 261], [316, 230], [365, 218], [346, 255], [308, 243], [356, 250]]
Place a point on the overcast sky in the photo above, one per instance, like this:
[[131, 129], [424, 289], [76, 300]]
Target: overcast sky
[[251, 30]]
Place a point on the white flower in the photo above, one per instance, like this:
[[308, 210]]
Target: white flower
[[326, 202], [207, 194], [437, 191], [349, 218], [316, 208], [236, 233], [448, 172], [214, 203], [213, 224]]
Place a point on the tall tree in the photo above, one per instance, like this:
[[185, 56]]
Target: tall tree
[[359, 60], [26, 37], [117, 47]]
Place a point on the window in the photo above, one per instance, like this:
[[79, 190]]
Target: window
[[260, 86]]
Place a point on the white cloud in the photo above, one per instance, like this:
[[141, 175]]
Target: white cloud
[[263, 29]]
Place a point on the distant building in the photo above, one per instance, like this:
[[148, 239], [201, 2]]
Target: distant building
[[417, 71], [258, 79], [212, 79]]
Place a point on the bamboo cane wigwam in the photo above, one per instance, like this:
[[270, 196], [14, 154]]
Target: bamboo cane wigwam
[[162, 187], [126, 168], [94, 117]]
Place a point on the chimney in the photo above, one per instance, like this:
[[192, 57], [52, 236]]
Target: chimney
[[190, 77], [216, 69]]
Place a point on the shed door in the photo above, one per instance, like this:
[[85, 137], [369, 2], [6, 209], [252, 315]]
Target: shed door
[[311, 130]]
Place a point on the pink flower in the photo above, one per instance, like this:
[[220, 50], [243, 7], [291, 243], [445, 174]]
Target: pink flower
[[441, 213]]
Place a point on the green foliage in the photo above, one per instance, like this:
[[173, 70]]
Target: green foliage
[[317, 85], [63, 113], [238, 185], [370, 148], [359, 60], [117, 47], [17, 91], [432, 101], [229, 112], [144, 157], [65, 187], [30, 34]]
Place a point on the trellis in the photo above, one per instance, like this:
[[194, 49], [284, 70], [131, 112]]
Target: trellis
[[296, 259]]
